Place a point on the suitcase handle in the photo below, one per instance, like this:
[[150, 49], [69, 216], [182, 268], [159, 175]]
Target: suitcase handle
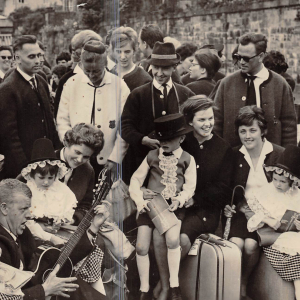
[[208, 238]]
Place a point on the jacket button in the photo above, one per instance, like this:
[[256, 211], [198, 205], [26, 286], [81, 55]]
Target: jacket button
[[241, 165], [42, 121], [99, 126], [39, 104], [244, 98], [101, 158], [204, 219], [197, 166], [201, 146], [99, 109]]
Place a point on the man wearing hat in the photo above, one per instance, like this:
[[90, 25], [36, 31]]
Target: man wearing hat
[[171, 172], [146, 103], [98, 99]]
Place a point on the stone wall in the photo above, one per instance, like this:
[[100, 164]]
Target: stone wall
[[279, 20]]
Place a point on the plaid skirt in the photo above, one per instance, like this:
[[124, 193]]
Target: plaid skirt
[[287, 266]]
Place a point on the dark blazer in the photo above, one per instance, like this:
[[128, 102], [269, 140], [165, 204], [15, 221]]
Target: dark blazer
[[137, 117], [12, 254], [82, 183], [25, 116], [203, 86], [214, 163], [241, 168]]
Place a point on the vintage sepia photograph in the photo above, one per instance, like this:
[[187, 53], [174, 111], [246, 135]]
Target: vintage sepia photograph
[[149, 149]]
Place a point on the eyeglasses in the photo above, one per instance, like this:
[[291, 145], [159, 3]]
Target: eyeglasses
[[245, 58], [6, 57]]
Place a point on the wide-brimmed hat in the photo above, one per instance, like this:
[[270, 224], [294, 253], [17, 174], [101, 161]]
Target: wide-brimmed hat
[[288, 164], [164, 55], [169, 127], [42, 153]]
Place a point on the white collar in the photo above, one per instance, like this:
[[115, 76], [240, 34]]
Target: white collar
[[110, 63], [176, 152], [263, 73], [78, 70], [12, 235], [2, 74], [266, 149], [26, 76], [159, 86], [106, 79]]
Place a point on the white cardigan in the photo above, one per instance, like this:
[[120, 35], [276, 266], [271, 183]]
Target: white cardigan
[[76, 106]]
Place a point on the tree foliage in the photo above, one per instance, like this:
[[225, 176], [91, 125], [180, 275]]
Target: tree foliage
[[92, 12], [27, 21]]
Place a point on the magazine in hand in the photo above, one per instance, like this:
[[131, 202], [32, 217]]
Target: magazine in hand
[[287, 221]]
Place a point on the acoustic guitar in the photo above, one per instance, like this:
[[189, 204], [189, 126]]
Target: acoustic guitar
[[52, 257]]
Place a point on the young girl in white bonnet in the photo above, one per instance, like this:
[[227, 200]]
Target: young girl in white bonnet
[[269, 205], [52, 201]]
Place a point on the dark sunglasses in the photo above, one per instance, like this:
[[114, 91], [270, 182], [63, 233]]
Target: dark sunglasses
[[245, 58], [6, 57]]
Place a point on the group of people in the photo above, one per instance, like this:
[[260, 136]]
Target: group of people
[[172, 126]]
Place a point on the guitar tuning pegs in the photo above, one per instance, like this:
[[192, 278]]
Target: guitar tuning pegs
[[94, 190]]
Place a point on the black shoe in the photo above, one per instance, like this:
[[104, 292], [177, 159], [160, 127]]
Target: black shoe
[[145, 296], [175, 294]]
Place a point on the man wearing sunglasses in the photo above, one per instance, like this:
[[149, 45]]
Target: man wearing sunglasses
[[5, 60], [254, 84]]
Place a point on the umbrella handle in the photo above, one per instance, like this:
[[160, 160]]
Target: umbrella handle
[[227, 226]]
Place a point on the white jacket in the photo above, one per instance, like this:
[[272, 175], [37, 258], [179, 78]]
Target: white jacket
[[76, 106]]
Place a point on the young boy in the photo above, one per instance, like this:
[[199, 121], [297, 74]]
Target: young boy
[[150, 101], [172, 173]]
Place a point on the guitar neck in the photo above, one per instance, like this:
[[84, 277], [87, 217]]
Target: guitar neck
[[82, 227]]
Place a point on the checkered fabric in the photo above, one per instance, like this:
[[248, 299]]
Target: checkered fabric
[[91, 272], [287, 266], [10, 297]]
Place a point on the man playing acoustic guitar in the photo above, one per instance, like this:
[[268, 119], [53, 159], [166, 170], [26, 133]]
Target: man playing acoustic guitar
[[18, 246]]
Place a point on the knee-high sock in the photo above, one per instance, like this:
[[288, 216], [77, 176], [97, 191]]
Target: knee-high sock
[[143, 264], [174, 262]]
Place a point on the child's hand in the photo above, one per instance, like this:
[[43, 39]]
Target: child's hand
[[297, 224], [229, 211], [272, 222], [148, 194], [142, 209], [174, 205]]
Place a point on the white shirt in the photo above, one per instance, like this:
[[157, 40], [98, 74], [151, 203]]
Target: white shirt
[[139, 176], [257, 177], [110, 64], [27, 77], [76, 106], [2, 74], [160, 86], [261, 76]]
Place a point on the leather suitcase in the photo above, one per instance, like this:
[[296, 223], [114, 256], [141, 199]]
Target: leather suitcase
[[212, 270]]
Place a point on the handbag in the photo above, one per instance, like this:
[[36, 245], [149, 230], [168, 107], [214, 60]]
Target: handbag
[[122, 206], [115, 240]]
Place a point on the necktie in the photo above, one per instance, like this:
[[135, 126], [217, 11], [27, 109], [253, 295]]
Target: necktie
[[251, 95], [32, 82], [165, 92]]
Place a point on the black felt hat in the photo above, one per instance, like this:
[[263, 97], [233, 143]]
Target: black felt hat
[[289, 161], [164, 55], [169, 127]]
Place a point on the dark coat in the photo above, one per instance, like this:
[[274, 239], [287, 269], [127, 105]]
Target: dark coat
[[242, 169], [135, 78], [203, 86], [214, 163], [276, 101], [82, 183], [137, 117], [12, 254], [186, 79], [25, 116]]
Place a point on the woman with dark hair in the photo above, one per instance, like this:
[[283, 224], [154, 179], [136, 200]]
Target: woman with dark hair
[[214, 160], [80, 143], [203, 69], [251, 127]]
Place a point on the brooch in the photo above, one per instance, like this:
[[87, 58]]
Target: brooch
[[112, 124]]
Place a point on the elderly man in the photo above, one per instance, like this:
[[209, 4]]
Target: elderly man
[[25, 114], [98, 99], [77, 44], [256, 85], [18, 246], [6, 56]]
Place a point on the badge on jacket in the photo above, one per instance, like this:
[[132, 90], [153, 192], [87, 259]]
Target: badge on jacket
[[112, 124]]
